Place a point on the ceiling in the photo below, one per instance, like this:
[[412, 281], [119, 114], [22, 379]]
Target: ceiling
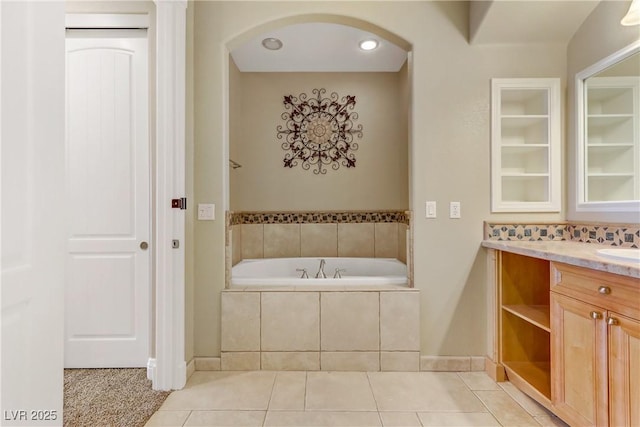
[[327, 47]]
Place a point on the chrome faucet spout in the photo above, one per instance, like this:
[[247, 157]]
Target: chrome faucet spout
[[320, 274]]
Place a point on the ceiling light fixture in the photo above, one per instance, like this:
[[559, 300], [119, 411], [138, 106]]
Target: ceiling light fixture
[[633, 15], [272, 43], [369, 44]]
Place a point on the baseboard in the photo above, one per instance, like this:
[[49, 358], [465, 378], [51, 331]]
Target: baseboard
[[191, 368], [207, 363], [452, 363], [495, 370], [151, 369]]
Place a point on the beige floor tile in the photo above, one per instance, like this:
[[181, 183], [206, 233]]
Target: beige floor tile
[[322, 418], [530, 405], [457, 419], [168, 419], [505, 409], [336, 391], [288, 391], [350, 361], [210, 390], [478, 381], [550, 421], [423, 391], [400, 419], [225, 418]]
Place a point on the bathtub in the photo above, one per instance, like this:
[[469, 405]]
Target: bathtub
[[283, 272]]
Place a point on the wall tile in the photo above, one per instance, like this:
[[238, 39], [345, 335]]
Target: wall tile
[[356, 240], [281, 240], [290, 321], [365, 361], [319, 240], [349, 321], [402, 242], [290, 361], [240, 328], [252, 241], [400, 321], [236, 244], [240, 361], [385, 240], [400, 361]]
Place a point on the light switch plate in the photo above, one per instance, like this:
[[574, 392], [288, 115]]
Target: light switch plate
[[430, 209], [454, 210], [206, 211]]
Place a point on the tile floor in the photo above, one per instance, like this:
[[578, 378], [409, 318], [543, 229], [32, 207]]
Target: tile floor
[[267, 398]]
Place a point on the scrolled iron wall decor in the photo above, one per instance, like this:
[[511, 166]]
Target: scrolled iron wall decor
[[319, 131]]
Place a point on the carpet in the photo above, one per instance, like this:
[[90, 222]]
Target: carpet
[[109, 397]]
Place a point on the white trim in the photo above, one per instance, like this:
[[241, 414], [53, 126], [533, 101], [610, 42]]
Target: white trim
[[106, 20], [170, 183], [151, 369], [581, 204]]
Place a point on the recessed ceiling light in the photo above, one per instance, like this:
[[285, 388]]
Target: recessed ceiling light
[[368, 44], [272, 43]]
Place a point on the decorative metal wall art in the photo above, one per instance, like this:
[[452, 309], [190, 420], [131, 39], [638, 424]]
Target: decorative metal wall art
[[319, 131]]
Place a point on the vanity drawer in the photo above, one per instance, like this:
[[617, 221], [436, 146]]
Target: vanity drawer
[[606, 290]]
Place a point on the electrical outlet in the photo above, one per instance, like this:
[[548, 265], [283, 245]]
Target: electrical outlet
[[454, 210], [206, 211], [430, 209]]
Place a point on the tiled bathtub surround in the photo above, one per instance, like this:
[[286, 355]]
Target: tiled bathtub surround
[[623, 235], [369, 330], [318, 234]]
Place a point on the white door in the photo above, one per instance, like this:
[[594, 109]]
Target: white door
[[108, 292], [33, 239]]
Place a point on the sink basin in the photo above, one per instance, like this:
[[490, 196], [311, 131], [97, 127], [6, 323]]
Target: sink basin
[[623, 254]]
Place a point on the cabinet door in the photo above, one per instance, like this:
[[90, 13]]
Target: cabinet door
[[579, 362], [624, 370]]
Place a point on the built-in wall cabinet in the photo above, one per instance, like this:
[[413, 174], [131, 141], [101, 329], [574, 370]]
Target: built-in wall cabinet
[[526, 145], [612, 152]]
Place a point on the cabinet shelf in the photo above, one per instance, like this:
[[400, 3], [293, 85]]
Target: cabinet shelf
[[537, 315], [536, 375], [525, 138]]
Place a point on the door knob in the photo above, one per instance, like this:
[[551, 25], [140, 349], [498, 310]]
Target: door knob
[[144, 246]]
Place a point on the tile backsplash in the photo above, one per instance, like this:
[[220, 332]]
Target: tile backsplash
[[623, 235]]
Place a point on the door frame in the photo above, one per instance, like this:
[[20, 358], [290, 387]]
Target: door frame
[[166, 367]]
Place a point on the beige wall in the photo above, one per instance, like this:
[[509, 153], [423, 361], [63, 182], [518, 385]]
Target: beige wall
[[378, 181], [599, 36], [449, 153]]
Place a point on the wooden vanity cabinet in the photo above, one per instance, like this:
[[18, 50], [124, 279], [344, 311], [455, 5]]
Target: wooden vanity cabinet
[[595, 347]]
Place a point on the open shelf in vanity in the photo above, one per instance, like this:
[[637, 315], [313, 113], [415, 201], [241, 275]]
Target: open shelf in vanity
[[524, 323]]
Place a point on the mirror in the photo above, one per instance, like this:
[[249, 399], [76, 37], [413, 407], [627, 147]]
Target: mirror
[[608, 132]]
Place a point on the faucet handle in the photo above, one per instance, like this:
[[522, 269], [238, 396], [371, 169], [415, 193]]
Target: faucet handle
[[338, 271], [304, 273]]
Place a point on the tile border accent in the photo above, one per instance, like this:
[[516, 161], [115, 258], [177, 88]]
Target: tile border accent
[[622, 235], [317, 217]]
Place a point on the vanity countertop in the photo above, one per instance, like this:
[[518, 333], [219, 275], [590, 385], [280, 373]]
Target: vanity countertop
[[574, 253]]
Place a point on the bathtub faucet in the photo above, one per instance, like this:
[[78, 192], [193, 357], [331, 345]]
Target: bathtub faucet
[[320, 274], [304, 273]]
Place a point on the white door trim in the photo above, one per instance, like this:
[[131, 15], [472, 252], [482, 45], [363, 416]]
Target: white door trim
[[106, 20], [169, 370]]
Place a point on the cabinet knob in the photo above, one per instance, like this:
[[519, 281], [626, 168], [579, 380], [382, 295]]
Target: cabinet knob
[[604, 290], [612, 321], [595, 315]]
